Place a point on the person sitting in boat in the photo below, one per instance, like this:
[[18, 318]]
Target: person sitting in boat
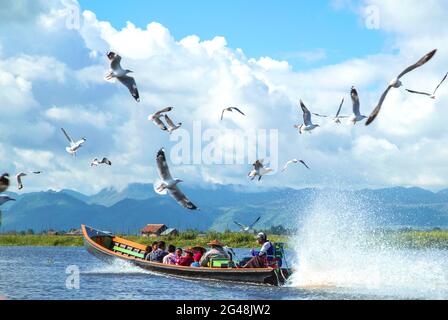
[[187, 259], [159, 253], [179, 253], [261, 258], [198, 253], [216, 252], [170, 258], [152, 248]]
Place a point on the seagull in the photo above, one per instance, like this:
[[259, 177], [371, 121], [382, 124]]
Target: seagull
[[294, 161], [155, 117], [308, 125], [431, 95], [37, 172], [122, 75], [248, 228], [337, 118], [4, 182], [230, 109], [357, 116], [19, 177], [170, 184], [4, 199], [95, 162], [74, 146], [396, 83], [171, 126], [259, 170]]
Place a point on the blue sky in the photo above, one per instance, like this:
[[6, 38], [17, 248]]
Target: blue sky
[[278, 29]]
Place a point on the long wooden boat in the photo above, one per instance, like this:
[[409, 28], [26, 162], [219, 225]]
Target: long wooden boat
[[108, 248]]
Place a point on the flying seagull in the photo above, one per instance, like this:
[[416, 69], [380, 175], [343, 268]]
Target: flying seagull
[[95, 162], [4, 199], [74, 146], [19, 177], [230, 109], [171, 126], [37, 172], [396, 83], [259, 170], [294, 161], [4, 182], [308, 125], [337, 118], [170, 184], [248, 228], [431, 95], [116, 71], [155, 118], [357, 116]]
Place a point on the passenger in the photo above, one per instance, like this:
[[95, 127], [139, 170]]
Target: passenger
[[151, 249], [187, 259], [260, 259], [216, 252], [198, 253], [170, 258], [159, 254], [179, 252]]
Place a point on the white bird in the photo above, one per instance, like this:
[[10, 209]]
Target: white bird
[[171, 126], [230, 109], [19, 177], [308, 125], [155, 118], [248, 228], [4, 182], [117, 72], [259, 170], [356, 116], [95, 162], [294, 161], [169, 184], [74, 146], [4, 199], [431, 95], [337, 118], [396, 83]]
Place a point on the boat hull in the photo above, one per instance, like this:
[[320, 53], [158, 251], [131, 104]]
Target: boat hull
[[262, 276]]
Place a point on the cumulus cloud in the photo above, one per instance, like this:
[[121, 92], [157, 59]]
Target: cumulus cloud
[[44, 89]]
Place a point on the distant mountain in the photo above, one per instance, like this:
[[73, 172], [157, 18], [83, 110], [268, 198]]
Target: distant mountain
[[130, 209]]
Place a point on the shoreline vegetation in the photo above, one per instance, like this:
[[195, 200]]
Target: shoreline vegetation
[[403, 239]]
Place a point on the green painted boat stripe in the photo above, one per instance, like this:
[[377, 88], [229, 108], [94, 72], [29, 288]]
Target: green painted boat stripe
[[132, 253]]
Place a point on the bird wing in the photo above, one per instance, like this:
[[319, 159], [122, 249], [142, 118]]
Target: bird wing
[[67, 136], [418, 92], [443, 80], [19, 179], [222, 113], [181, 198], [162, 166], [115, 62], [258, 164], [253, 223], [169, 122], [303, 162], [340, 107], [106, 161], [306, 114], [159, 113], [239, 224], [129, 82], [355, 101], [419, 63], [160, 123], [377, 110], [286, 165], [320, 115], [234, 108]]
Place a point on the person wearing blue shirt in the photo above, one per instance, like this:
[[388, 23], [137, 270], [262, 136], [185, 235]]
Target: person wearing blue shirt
[[260, 258]]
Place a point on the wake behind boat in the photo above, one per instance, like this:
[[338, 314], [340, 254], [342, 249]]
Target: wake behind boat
[[109, 247]]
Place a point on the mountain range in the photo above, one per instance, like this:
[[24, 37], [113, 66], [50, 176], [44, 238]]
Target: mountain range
[[128, 210]]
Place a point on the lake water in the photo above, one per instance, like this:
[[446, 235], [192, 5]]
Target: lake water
[[41, 273]]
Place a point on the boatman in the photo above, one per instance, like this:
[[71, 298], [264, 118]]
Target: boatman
[[260, 259], [216, 252]]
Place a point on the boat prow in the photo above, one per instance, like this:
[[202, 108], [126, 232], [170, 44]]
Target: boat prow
[[108, 247]]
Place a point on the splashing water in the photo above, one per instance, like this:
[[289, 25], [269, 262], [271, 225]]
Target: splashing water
[[336, 250]]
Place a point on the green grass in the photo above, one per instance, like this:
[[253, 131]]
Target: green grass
[[405, 239]]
